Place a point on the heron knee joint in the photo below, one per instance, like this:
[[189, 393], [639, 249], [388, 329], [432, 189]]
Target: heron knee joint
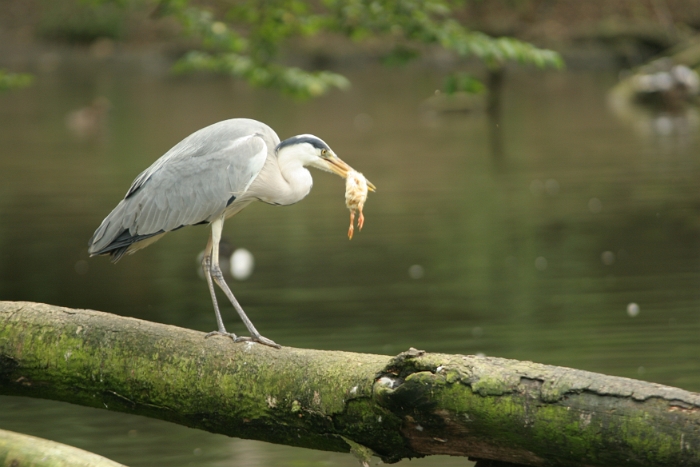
[[216, 272]]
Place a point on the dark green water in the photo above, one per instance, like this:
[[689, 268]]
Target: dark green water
[[535, 253]]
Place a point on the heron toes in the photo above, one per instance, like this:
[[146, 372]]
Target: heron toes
[[223, 333], [260, 340]]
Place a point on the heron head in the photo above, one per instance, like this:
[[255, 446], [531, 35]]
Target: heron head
[[312, 151]]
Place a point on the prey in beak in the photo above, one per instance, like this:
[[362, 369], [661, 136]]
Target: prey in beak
[[356, 185], [355, 196], [335, 165]]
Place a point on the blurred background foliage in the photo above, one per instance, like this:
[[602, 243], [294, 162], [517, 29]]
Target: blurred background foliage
[[243, 39], [14, 80], [292, 45], [81, 22]]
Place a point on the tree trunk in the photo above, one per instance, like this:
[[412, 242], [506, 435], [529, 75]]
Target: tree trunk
[[17, 450], [411, 405]]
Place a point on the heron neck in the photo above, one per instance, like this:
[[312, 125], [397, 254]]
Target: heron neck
[[297, 177]]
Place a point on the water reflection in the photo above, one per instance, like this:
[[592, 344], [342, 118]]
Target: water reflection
[[513, 260], [541, 263], [416, 271], [607, 257], [363, 122], [595, 205], [633, 310], [242, 264], [89, 121], [549, 187]]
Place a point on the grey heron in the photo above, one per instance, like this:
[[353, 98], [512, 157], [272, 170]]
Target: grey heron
[[206, 178]]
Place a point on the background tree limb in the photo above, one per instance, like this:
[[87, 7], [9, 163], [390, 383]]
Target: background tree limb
[[18, 450]]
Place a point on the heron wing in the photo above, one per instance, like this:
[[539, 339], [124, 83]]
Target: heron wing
[[192, 183], [195, 189]]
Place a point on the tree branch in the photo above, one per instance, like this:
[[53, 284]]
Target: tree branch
[[23, 450], [412, 405]]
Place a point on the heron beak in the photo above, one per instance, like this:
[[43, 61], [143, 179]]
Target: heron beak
[[338, 167]]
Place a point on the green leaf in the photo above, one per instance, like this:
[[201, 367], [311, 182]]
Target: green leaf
[[14, 80], [290, 80], [400, 55], [462, 82]]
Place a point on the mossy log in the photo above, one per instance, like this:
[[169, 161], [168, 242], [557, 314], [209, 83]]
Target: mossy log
[[411, 405], [18, 450]]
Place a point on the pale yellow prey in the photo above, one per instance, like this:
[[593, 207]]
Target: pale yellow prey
[[356, 187]]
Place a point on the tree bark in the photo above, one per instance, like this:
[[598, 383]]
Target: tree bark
[[411, 405], [18, 450]]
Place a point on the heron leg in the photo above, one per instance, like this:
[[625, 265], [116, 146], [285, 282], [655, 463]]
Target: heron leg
[[206, 266], [216, 274]]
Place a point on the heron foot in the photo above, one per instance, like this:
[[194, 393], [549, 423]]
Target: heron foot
[[223, 333], [259, 339]]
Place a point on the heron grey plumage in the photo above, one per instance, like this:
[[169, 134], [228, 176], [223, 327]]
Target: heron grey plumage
[[206, 178]]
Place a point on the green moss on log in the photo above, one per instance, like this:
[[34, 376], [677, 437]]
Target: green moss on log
[[538, 415]]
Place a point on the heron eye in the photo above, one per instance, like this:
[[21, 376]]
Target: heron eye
[[323, 152]]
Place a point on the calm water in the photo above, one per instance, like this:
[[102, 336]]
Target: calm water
[[534, 253]]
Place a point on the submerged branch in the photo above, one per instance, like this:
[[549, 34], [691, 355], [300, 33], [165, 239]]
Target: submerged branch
[[23, 450], [412, 405]]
